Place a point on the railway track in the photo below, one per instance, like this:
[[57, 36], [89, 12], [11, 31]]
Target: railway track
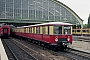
[[32, 50], [81, 38], [9, 52], [69, 53], [72, 54], [14, 52], [77, 55]]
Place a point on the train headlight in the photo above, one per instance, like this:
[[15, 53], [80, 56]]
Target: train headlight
[[68, 38], [64, 44]]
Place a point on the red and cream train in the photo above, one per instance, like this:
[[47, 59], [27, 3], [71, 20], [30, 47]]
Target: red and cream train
[[57, 34]]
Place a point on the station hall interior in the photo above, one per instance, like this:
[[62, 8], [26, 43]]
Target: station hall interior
[[28, 12]]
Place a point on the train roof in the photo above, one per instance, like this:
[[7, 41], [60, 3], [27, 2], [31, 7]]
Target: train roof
[[49, 23], [55, 23], [80, 28]]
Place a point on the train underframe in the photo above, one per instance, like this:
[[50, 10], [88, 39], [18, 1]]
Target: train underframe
[[56, 47], [5, 35]]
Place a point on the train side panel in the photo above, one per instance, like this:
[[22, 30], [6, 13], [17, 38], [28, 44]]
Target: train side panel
[[52, 38]]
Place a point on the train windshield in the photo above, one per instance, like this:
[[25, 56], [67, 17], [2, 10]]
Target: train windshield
[[62, 29], [5, 30], [57, 29], [67, 29]]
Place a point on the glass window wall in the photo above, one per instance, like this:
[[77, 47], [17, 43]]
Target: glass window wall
[[36, 10]]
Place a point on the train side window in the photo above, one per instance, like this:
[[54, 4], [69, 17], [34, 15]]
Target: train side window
[[34, 29], [30, 30], [37, 30], [15, 30], [56, 29], [88, 31], [19, 29], [60, 29], [27, 30], [46, 30], [72, 30], [78, 30], [43, 29], [83, 30], [24, 30], [75, 30]]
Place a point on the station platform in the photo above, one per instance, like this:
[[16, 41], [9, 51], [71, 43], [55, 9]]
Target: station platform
[[81, 46], [3, 55]]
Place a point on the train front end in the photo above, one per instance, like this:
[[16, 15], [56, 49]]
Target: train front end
[[5, 31], [61, 36]]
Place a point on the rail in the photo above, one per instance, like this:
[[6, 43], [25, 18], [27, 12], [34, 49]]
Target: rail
[[17, 52]]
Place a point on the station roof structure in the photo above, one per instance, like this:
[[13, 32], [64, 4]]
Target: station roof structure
[[37, 11]]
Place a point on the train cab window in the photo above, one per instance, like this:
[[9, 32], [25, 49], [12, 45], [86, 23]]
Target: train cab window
[[67, 29], [57, 29], [5, 30]]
